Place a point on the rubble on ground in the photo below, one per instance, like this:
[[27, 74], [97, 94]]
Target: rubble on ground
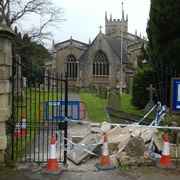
[[135, 147], [124, 159], [77, 154], [132, 142]]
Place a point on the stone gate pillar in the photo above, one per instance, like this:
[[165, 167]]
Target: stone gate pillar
[[6, 35]]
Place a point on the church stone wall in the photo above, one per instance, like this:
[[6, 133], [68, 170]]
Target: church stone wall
[[133, 52], [62, 55], [86, 62]]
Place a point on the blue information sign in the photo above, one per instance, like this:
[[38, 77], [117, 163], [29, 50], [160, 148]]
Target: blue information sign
[[175, 94]]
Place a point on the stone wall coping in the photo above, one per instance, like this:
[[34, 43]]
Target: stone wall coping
[[5, 31]]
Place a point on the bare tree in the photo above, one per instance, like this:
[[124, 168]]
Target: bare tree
[[13, 11]]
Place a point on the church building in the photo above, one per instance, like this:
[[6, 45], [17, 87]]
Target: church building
[[99, 62]]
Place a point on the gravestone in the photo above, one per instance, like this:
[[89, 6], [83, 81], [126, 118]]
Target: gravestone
[[103, 92], [114, 100], [97, 91], [42, 86], [24, 82], [130, 83], [150, 103], [18, 81], [92, 89]]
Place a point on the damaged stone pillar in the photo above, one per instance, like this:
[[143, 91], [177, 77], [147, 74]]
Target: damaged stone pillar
[[6, 35]]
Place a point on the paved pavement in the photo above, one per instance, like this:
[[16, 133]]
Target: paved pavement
[[35, 172]]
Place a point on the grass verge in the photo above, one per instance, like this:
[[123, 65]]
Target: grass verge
[[95, 106]]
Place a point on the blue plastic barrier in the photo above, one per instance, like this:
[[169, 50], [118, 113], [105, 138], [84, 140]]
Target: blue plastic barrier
[[55, 110]]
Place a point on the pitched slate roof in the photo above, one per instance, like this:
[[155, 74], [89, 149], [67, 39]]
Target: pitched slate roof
[[71, 42], [116, 46]]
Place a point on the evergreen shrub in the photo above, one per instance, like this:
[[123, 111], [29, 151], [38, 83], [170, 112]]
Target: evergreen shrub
[[141, 80]]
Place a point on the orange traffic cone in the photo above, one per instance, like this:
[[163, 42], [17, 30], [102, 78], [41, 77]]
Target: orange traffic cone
[[165, 161], [105, 162], [17, 133], [23, 126], [53, 167]]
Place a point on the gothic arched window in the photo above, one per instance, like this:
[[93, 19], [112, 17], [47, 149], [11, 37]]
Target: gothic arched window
[[71, 67], [100, 65]]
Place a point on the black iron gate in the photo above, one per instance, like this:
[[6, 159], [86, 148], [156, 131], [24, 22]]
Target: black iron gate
[[39, 108], [162, 75]]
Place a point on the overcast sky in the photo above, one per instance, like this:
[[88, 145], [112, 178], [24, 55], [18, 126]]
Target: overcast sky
[[83, 17]]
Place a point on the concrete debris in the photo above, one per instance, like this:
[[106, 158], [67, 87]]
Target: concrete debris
[[135, 147], [95, 130], [114, 160], [105, 127], [147, 134], [79, 154], [135, 140], [113, 147], [95, 125], [158, 141], [77, 139], [124, 159], [114, 135], [125, 129], [122, 144], [153, 148]]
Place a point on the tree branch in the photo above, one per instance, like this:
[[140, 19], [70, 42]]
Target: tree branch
[[13, 11]]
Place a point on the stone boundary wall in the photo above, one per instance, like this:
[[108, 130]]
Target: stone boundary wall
[[6, 36]]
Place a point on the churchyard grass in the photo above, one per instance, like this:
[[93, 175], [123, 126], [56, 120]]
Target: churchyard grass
[[128, 107], [95, 106]]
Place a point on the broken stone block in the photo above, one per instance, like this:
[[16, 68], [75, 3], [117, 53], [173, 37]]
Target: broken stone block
[[105, 127], [124, 159], [137, 131], [127, 128], [96, 125], [147, 146], [122, 144], [95, 130], [113, 146], [135, 147], [113, 135], [77, 139], [146, 134], [158, 141], [114, 160], [78, 155]]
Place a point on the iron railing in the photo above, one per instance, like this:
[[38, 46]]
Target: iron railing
[[31, 90]]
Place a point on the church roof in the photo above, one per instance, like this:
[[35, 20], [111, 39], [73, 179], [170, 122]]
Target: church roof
[[113, 43], [71, 42], [116, 46]]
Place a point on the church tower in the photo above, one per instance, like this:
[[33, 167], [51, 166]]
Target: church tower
[[113, 26]]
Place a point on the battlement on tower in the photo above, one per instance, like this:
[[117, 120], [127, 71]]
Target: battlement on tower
[[115, 25]]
